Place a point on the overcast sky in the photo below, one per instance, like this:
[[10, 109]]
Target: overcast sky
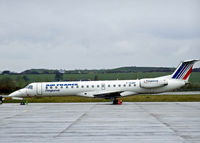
[[88, 34]]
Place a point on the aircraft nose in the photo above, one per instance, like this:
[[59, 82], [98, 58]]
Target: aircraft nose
[[14, 94], [18, 93]]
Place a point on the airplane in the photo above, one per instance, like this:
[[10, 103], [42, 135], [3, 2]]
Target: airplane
[[110, 89]]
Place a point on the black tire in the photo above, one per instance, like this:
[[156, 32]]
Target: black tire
[[22, 103], [115, 101], [1, 99]]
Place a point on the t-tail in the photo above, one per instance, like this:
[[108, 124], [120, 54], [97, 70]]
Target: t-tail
[[184, 70]]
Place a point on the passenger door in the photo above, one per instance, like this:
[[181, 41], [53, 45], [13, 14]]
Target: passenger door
[[39, 88]]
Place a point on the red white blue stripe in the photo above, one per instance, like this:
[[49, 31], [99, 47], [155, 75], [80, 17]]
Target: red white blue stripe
[[183, 71]]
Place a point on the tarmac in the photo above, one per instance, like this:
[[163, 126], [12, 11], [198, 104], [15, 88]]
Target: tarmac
[[134, 122]]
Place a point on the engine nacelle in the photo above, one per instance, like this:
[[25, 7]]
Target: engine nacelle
[[153, 83]]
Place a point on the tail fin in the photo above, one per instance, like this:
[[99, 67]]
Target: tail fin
[[184, 70]]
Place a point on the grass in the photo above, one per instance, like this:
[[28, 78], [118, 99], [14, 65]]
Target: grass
[[136, 98]]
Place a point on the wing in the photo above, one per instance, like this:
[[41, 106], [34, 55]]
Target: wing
[[107, 94]]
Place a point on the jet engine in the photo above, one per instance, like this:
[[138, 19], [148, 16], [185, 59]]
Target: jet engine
[[153, 83]]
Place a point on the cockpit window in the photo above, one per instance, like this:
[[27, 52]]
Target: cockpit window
[[29, 87]]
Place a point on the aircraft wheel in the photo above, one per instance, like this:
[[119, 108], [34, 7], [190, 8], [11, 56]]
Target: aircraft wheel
[[22, 103], [117, 101], [1, 100]]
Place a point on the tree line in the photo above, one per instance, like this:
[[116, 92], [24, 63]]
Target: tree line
[[85, 71]]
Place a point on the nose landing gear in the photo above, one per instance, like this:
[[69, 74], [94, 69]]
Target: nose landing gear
[[1, 100], [24, 102]]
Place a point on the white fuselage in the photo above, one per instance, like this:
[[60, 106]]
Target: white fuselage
[[95, 88]]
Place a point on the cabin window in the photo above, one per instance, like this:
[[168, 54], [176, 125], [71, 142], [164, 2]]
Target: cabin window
[[50, 87], [76, 86], [119, 85], [92, 86], [87, 86], [72, 86], [114, 85], [129, 85], [66, 86], [46, 87], [124, 85], [56, 87], [82, 86], [98, 86], [61, 87], [108, 85]]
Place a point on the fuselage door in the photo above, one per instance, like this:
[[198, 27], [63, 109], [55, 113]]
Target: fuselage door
[[103, 86], [39, 88]]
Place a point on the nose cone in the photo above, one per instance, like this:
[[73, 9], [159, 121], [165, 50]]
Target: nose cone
[[18, 93], [15, 94]]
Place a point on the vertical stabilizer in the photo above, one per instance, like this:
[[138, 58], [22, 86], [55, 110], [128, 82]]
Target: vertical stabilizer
[[184, 70]]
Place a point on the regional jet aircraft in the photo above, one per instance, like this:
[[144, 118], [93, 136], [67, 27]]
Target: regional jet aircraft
[[111, 89]]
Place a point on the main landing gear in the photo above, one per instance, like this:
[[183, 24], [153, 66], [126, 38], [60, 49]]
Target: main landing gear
[[117, 101]]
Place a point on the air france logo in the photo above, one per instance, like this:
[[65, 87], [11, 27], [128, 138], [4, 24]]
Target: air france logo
[[53, 87], [69, 84]]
